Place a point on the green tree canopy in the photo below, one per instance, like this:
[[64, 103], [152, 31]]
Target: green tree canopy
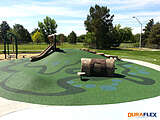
[[34, 31], [37, 37], [137, 38], [90, 39], [81, 38], [61, 38], [117, 35], [127, 34], [147, 31], [4, 27], [99, 22], [21, 33], [120, 35], [154, 36], [47, 27], [72, 38]]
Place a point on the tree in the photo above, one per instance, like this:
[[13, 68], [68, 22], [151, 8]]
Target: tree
[[120, 35], [34, 31], [136, 38], [4, 27], [47, 27], [37, 37], [147, 31], [21, 33], [72, 38], [81, 38], [154, 36], [117, 35], [99, 22], [61, 38], [90, 40], [127, 34]]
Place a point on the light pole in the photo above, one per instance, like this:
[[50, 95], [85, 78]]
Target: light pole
[[140, 33]]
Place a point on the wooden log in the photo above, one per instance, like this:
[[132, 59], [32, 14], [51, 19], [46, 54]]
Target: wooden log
[[112, 57], [102, 54], [110, 66], [98, 67], [81, 48], [85, 49], [94, 52], [85, 66], [89, 51]]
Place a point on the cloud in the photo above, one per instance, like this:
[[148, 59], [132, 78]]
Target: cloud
[[136, 30], [113, 4], [26, 23], [12, 12], [144, 17], [67, 29], [141, 15], [157, 19], [35, 10], [70, 14], [137, 4], [70, 21], [67, 26], [92, 2]]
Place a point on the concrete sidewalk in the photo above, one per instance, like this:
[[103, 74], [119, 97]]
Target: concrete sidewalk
[[146, 64], [9, 106]]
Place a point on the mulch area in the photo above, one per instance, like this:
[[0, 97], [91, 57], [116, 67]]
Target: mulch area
[[20, 56]]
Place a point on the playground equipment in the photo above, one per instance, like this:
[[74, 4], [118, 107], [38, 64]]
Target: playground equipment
[[98, 67], [50, 49], [11, 38], [8, 38]]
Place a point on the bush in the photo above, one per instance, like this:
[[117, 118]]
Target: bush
[[90, 40], [37, 37]]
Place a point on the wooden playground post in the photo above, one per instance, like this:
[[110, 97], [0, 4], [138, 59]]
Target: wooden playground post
[[5, 49], [16, 43], [8, 47], [12, 43], [55, 43], [6, 44]]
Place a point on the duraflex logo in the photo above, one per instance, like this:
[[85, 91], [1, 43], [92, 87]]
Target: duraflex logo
[[145, 114]]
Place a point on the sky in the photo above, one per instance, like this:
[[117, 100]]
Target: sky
[[70, 14]]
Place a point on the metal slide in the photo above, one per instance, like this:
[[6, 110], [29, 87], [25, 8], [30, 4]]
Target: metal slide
[[50, 49]]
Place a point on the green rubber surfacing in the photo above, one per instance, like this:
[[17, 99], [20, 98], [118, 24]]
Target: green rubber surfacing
[[54, 81]]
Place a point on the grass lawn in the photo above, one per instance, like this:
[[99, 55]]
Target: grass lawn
[[148, 56], [24, 47], [40, 47]]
